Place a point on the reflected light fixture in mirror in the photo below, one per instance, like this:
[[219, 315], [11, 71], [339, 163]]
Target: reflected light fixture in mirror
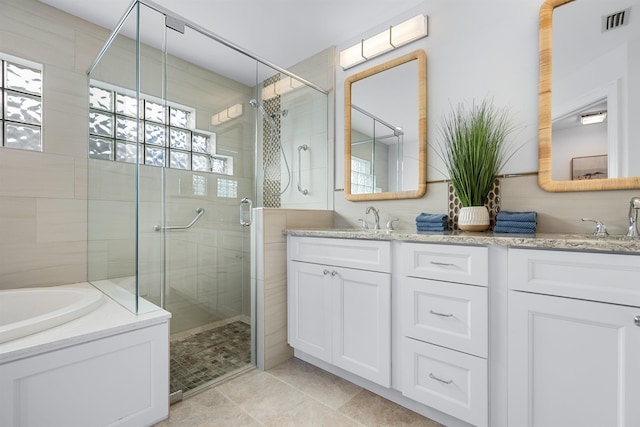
[[227, 114], [546, 101], [391, 38]]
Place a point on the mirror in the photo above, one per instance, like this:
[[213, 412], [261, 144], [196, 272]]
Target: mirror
[[596, 76], [386, 130]]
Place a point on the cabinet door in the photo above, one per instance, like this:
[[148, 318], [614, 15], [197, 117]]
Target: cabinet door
[[309, 309], [572, 362], [362, 324]]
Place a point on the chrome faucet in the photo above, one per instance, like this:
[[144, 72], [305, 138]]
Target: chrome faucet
[[601, 229], [376, 216], [634, 208]]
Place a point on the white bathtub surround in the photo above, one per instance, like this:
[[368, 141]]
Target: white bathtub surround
[[108, 367]]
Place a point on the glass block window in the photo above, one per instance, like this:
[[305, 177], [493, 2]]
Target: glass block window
[[362, 179], [166, 133], [21, 104], [227, 188], [199, 185]]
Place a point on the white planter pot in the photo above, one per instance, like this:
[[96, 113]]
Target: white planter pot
[[473, 218]]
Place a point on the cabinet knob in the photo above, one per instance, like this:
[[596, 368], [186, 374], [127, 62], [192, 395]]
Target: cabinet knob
[[332, 273], [325, 272], [637, 320]]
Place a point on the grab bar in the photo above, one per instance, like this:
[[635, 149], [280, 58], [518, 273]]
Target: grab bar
[[246, 202], [199, 212], [304, 191]]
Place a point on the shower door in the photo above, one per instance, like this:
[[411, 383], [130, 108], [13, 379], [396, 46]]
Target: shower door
[[207, 172]]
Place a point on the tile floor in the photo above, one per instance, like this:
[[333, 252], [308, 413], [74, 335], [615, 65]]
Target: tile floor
[[201, 357], [294, 393]]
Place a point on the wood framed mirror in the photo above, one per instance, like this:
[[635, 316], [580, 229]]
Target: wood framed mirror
[[385, 116], [578, 79]]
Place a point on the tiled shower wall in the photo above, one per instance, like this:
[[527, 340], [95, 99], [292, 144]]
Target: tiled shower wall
[[43, 195]]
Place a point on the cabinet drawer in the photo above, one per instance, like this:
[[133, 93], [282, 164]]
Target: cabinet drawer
[[446, 314], [463, 264], [361, 254], [447, 380], [592, 276]]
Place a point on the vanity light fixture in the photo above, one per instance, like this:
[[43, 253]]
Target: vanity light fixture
[[391, 38], [592, 118], [227, 114]]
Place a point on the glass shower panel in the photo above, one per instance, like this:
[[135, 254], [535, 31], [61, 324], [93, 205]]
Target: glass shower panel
[[292, 143], [112, 185]]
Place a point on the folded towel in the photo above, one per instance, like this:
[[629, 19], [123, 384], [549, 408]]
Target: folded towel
[[432, 218], [527, 229], [517, 216], [431, 224], [433, 227], [516, 224]]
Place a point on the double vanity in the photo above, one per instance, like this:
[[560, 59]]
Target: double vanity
[[474, 328]]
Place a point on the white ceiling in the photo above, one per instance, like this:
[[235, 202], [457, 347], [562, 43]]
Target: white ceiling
[[283, 32]]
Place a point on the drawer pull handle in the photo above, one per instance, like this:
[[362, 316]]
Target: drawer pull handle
[[433, 377], [435, 313], [443, 264]]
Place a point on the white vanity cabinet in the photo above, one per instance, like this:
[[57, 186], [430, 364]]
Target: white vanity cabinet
[[574, 339], [444, 324], [339, 303]]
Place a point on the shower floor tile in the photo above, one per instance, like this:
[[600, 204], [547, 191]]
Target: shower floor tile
[[198, 359]]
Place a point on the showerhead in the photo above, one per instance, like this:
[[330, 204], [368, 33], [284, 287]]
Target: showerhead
[[255, 104]]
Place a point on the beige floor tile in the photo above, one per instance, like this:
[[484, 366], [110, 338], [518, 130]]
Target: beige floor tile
[[261, 394], [327, 388], [375, 411], [309, 413], [207, 409]]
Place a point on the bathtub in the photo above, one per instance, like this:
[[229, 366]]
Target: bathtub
[[69, 349], [27, 311]]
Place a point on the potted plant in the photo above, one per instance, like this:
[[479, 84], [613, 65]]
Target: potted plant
[[474, 150]]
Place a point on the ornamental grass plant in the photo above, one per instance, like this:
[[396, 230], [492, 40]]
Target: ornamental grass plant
[[474, 149]]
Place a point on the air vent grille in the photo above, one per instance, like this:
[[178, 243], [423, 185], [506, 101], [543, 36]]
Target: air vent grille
[[615, 20]]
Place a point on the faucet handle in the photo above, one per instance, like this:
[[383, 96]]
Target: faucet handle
[[364, 224], [601, 229], [390, 224]]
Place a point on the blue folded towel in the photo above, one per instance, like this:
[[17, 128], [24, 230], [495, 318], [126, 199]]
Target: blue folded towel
[[433, 227], [432, 218], [516, 224], [523, 227], [517, 216]]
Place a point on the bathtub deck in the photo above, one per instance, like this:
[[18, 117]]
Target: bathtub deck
[[107, 320]]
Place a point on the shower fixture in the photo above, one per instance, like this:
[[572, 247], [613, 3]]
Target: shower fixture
[[274, 138]]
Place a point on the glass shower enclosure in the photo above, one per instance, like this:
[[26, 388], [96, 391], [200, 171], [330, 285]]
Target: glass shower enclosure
[[186, 136]]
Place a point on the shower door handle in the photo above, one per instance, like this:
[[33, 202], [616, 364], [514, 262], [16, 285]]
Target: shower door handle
[[246, 203], [304, 191]]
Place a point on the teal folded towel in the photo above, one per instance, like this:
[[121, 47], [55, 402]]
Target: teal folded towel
[[517, 216]]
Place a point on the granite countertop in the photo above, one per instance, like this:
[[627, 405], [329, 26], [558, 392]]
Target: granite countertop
[[584, 242]]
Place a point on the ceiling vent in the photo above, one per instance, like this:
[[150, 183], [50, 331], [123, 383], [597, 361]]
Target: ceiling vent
[[615, 20]]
